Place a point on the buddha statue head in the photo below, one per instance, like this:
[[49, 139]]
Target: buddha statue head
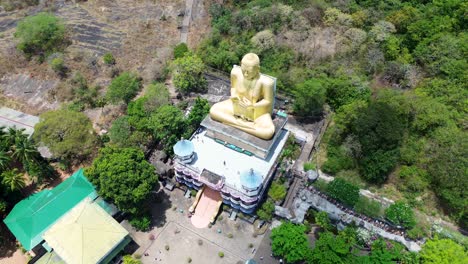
[[250, 66]]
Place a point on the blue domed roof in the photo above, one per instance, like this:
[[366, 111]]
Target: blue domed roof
[[251, 179], [183, 148]]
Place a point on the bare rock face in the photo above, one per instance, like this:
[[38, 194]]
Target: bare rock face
[[33, 91]]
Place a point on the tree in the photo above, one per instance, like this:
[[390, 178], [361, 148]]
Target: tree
[[13, 180], [123, 176], [289, 241], [67, 134], [277, 191], [39, 169], [180, 50], [386, 252], [188, 74], [446, 165], [125, 134], [123, 88], [379, 130], [40, 34], [199, 110], [341, 91], [309, 98], [12, 136], [401, 214], [265, 212], [168, 126], [322, 220], [343, 191], [330, 250], [157, 95], [4, 160], [25, 151], [443, 251]]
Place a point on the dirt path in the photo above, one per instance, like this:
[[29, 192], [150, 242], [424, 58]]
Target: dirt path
[[17, 258]]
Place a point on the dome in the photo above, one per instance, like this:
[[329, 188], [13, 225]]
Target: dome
[[183, 148], [251, 179]]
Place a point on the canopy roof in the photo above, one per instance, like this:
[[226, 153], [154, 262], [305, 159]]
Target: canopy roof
[[183, 148], [251, 179], [31, 217], [86, 234]]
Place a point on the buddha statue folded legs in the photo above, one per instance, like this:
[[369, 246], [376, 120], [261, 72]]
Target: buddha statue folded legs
[[250, 106]]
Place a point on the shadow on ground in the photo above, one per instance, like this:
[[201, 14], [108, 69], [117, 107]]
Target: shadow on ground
[[161, 203], [7, 242]]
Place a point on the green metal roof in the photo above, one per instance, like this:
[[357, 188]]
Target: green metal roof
[[31, 217]]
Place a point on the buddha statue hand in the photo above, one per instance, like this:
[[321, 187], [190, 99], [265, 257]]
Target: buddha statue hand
[[243, 108]]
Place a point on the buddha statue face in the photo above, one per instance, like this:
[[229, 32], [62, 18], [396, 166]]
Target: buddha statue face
[[250, 66]]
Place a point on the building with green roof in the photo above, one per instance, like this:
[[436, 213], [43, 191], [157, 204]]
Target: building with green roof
[[33, 216]]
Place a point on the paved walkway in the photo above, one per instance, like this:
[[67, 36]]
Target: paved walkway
[[171, 210], [186, 22]]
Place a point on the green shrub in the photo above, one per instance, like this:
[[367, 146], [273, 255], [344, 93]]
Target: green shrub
[[277, 191], [376, 166], [309, 166], [266, 211], [416, 232], [141, 223], [188, 74], [123, 88], [322, 219], [309, 98], [108, 59], [40, 34], [343, 191], [221, 254], [413, 179], [180, 50], [336, 161], [401, 214], [321, 185], [57, 65], [368, 207]]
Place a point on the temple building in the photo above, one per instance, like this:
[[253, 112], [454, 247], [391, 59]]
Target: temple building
[[233, 160], [68, 224]]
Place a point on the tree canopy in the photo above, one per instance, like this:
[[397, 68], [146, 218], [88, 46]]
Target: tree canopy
[[69, 135], [443, 251], [123, 88], [40, 34], [289, 241], [309, 98], [401, 213], [188, 73], [123, 176], [168, 125]]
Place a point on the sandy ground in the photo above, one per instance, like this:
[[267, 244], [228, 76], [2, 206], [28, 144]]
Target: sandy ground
[[16, 258], [170, 214]]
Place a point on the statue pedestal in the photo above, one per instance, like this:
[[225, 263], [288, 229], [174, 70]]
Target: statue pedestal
[[242, 140]]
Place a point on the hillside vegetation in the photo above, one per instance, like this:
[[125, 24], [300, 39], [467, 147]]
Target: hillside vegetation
[[394, 73]]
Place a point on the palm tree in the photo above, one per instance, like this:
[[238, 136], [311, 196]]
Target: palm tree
[[12, 136], [24, 150], [4, 160], [13, 180]]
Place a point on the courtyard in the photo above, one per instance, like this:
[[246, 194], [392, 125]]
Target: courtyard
[[173, 238]]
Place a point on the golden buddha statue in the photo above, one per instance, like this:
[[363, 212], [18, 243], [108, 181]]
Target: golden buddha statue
[[251, 104]]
